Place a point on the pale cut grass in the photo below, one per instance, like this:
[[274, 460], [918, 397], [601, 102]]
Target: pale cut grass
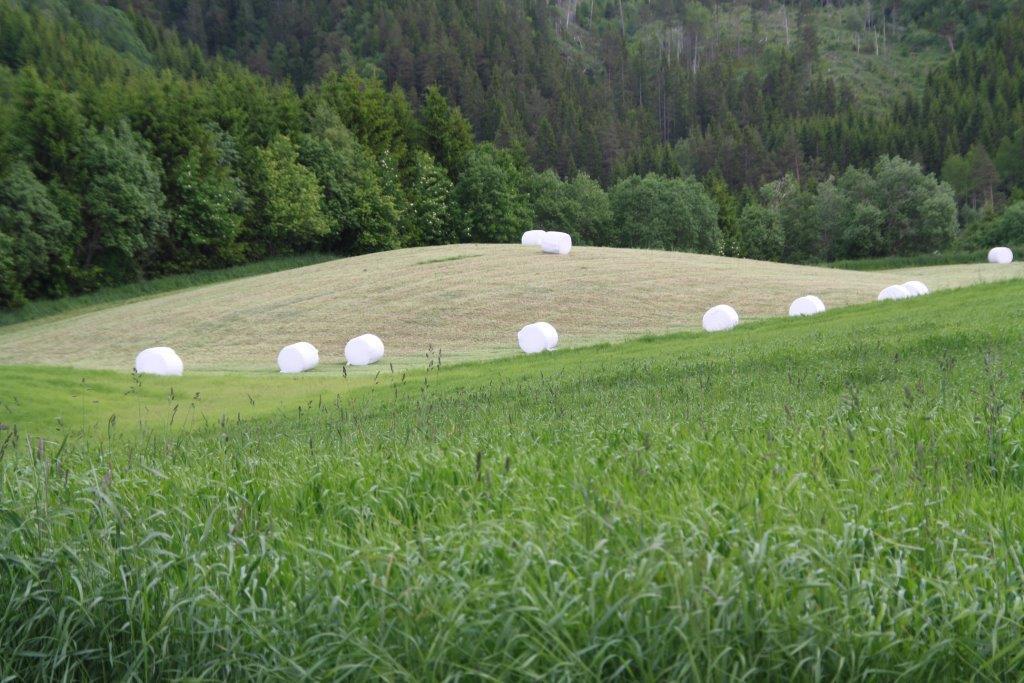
[[466, 300]]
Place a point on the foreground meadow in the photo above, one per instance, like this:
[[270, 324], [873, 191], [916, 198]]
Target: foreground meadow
[[828, 498]]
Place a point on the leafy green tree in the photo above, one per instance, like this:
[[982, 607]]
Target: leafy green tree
[[209, 205], [579, 207], [492, 207], [919, 210], [591, 210], [11, 292], [654, 212], [1007, 229], [761, 235], [289, 201], [728, 213], [51, 122], [431, 214], [445, 132], [851, 224], [956, 171], [983, 174], [547, 197], [38, 242], [376, 117], [122, 205], [361, 216], [1010, 159], [794, 210]]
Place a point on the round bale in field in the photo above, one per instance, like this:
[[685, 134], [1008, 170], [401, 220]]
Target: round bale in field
[[298, 357], [556, 243], [806, 305], [893, 292], [551, 333], [159, 360], [720, 318], [364, 350], [916, 288], [537, 337], [532, 238], [1001, 255]]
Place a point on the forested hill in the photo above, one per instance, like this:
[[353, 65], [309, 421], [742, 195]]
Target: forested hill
[[619, 86], [140, 137]]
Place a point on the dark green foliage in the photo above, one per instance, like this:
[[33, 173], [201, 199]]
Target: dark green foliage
[[289, 212], [145, 157], [655, 212], [1007, 229], [445, 132], [579, 207], [361, 216], [209, 204], [802, 223], [431, 215], [760, 233], [491, 204], [37, 241], [895, 208], [122, 206], [919, 212]]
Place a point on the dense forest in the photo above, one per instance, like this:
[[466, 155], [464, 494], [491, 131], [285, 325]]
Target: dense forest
[[144, 137]]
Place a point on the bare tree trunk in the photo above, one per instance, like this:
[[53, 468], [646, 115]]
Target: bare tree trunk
[[785, 23]]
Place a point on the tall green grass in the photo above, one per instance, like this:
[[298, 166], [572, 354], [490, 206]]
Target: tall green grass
[[109, 296], [836, 497]]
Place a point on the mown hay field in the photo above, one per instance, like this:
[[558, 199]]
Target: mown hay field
[[468, 301]]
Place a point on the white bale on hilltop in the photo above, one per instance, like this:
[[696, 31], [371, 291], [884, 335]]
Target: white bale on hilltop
[[916, 288], [556, 243], [537, 337], [720, 318], [365, 349], [298, 357], [807, 305], [1000, 255], [159, 360], [532, 238], [894, 292]]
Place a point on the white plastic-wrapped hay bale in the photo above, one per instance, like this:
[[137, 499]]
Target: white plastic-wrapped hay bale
[[159, 360], [556, 243], [365, 349], [298, 357], [806, 305], [916, 288], [532, 238], [1001, 255], [537, 337], [894, 292], [551, 333], [720, 318]]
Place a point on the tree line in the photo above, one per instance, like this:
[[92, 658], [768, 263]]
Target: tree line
[[127, 153]]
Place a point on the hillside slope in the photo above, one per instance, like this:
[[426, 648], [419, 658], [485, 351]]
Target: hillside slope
[[817, 499], [468, 301]]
